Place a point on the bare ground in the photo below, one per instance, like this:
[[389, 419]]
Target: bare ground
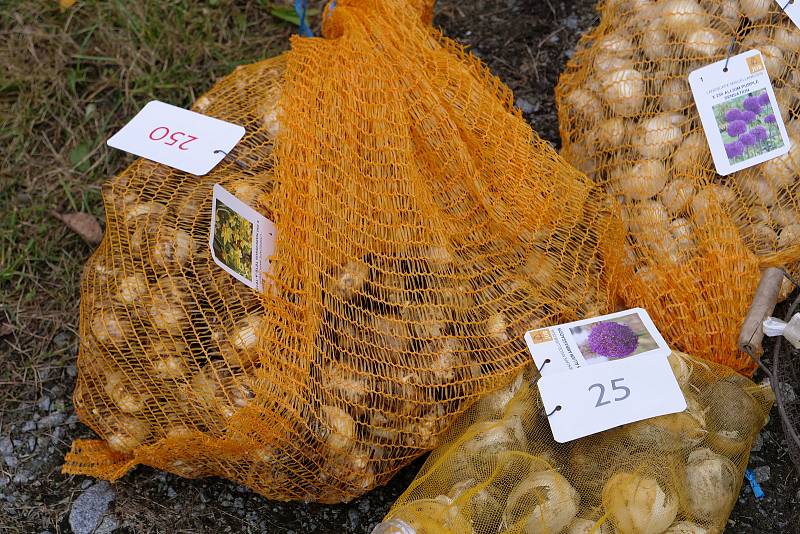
[[72, 77]]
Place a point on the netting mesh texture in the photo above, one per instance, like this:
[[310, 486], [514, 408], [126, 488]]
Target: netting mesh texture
[[499, 470], [422, 229], [696, 240]]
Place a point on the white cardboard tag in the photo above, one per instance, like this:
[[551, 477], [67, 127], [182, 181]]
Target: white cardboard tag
[[177, 137], [602, 372], [792, 10], [599, 397], [565, 347], [739, 112], [242, 240]]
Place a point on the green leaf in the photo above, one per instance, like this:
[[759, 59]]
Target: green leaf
[[78, 156], [288, 14]]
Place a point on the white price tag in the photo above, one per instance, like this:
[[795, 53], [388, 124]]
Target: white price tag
[[739, 112], [792, 9], [177, 137], [603, 372], [596, 398], [242, 240]]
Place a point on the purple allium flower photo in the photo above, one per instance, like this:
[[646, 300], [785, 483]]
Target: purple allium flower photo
[[612, 340], [746, 124], [734, 150], [748, 116], [733, 114], [737, 128], [747, 139], [759, 133], [751, 104]]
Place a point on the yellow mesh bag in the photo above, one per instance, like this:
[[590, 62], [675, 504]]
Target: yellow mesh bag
[[499, 470], [422, 228], [696, 240]]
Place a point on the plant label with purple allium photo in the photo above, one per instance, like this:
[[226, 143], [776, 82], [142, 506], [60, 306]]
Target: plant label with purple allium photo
[[792, 10], [739, 112], [242, 240], [603, 372], [595, 340]]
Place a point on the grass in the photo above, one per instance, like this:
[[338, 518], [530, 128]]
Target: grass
[[70, 79]]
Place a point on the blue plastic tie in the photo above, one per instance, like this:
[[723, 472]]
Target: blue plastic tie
[[300, 9], [751, 478]]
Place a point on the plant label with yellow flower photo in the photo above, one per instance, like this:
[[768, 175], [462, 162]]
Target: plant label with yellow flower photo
[[603, 372], [242, 240], [739, 112]]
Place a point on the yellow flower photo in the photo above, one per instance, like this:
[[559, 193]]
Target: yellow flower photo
[[233, 240]]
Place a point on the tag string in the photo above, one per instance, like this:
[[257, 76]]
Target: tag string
[[787, 4], [236, 161], [758, 493], [536, 379], [554, 410], [539, 369], [300, 9], [730, 52]]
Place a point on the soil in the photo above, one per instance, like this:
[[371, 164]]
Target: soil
[[526, 43]]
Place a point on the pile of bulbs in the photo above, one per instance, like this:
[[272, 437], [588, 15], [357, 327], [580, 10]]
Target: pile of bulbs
[[501, 470]]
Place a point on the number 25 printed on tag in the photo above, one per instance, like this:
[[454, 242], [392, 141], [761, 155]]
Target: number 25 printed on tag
[[739, 112], [182, 139]]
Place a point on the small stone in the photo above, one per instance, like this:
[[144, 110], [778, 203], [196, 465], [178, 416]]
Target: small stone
[[72, 371], [4, 480], [758, 443], [62, 339], [11, 461], [363, 506], [761, 473], [22, 476], [787, 392], [6, 446], [28, 426], [54, 419], [31, 443], [44, 403], [90, 512], [527, 107], [571, 22], [86, 483], [353, 518], [171, 493]]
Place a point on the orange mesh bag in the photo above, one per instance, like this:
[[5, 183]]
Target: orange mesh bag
[[696, 240], [422, 227], [499, 470]]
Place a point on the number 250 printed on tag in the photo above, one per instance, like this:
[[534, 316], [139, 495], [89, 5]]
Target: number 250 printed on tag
[[739, 112], [176, 137]]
